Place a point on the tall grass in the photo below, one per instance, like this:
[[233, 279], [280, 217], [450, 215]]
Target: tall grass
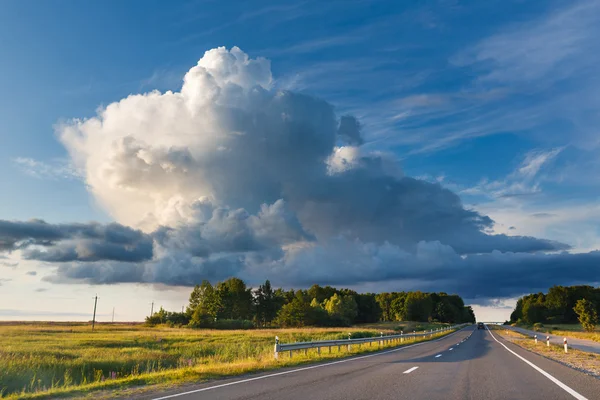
[[39, 360]]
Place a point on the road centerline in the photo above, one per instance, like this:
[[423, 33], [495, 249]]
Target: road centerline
[[408, 371]]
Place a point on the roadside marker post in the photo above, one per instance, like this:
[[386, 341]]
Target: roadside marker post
[[565, 343], [349, 337], [548, 341], [277, 348], [535, 338]]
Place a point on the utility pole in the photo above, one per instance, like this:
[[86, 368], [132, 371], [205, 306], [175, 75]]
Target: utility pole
[[182, 309], [94, 317], [152, 309], [113, 318]]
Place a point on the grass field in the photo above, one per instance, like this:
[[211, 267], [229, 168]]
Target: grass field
[[48, 360], [569, 330]]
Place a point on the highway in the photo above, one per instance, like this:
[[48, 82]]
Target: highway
[[469, 364]]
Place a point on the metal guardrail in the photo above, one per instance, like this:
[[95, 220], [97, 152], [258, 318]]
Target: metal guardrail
[[381, 340]]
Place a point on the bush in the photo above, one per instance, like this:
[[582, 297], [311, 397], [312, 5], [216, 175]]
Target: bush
[[538, 326], [223, 324], [586, 311]]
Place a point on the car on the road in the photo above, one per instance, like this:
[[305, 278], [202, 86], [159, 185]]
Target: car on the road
[[480, 325]]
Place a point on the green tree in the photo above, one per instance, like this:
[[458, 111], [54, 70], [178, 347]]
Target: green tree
[[342, 308], [557, 303], [368, 308], [204, 301], [534, 308], [266, 304], [385, 304], [586, 312], [236, 299], [318, 315], [418, 306], [321, 293], [397, 306], [468, 315], [296, 313]]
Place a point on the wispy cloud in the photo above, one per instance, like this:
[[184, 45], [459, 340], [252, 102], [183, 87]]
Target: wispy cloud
[[55, 169], [544, 48], [525, 180], [528, 78], [318, 44], [163, 78]]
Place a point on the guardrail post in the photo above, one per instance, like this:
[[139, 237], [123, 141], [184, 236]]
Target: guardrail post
[[305, 352], [318, 350], [565, 343], [277, 347], [548, 341], [349, 338]]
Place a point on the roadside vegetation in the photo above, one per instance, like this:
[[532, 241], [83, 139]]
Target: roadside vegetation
[[571, 310], [232, 305], [47, 360], [580, 360]]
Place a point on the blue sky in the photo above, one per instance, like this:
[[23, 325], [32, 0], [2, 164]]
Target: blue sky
[[496, 101]]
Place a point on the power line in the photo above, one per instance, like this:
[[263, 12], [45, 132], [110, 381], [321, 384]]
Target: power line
[[94, 317]]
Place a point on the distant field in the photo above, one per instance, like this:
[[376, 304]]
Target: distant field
[[48, 360], [571, 330], [406, 326]]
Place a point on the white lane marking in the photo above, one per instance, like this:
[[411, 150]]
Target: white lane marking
[[541, 371], [408, 371], [439, 355], [301, 369], [451, 348]]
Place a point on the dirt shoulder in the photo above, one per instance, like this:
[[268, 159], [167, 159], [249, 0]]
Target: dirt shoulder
[[588, 363]]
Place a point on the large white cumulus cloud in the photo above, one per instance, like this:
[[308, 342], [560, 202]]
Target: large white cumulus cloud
[[230, 177], [149, 157]]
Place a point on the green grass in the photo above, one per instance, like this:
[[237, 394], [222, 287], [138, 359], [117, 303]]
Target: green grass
[[48, 360]]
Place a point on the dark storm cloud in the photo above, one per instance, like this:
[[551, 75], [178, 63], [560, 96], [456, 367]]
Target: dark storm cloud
[[367, 204], [42, 241], [349, 130]]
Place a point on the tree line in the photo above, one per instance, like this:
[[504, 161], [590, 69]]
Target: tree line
[[232, 305], [561, 305]]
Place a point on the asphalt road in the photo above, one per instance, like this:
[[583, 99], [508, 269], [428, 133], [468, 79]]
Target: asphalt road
[[470, 364], [580, 344]]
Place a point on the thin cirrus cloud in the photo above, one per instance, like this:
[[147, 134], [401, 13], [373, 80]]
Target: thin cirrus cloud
[[229, 177]]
